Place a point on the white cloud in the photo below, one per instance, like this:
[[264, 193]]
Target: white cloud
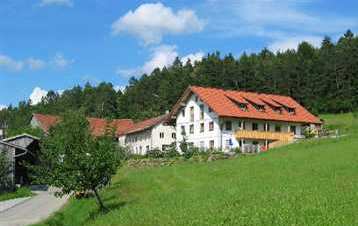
[[67, 3], [10, 64], [2, 107], [37, 95], [151, 21], [60, 61], [194, 57], [292, 43], [160, 57], [121, 88], [35, 64], [60, 91], [32, 63]]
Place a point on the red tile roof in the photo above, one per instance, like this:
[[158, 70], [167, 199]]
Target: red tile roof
[[224, 103], [46, 121], [97, 125], [146, 124]]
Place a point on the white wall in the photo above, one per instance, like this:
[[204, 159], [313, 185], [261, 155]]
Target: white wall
[[141, 142], [198, 137], [157, 141]]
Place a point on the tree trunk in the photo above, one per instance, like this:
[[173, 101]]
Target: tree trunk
[[99, 200]]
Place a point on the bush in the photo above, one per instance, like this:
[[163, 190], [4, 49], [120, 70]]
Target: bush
[[155, 154], [237, 150], [171, 151], [190, 152], [124, 153], [309, 132]]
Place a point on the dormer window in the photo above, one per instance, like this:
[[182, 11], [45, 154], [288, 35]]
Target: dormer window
[[291, 111], [277, 110], [259, 107], [242, 106]]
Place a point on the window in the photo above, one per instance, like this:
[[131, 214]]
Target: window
[[255, 142], [277, 128], [243, 125], [202, 144], [191, 129], [211, 126], [192, 114], [228, 125], [267, 126], [174, 135], [140, 149], [201, 111], [161, 135], [196, 98], [291, 111], [228, 143], [277, 110], [147, 147], [201, 127], [183, 132], [242, 106], [255, 126], [293, 129], [211, 144], [183, 112], [210, 110]]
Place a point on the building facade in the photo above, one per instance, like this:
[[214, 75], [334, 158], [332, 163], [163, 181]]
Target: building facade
[[153, 133], [210, 118]]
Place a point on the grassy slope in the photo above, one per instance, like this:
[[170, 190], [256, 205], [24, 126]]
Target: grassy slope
[[309, 183], [19, 193]]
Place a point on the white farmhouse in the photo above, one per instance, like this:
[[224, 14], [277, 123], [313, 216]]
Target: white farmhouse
[[211, 118], [153, 133]]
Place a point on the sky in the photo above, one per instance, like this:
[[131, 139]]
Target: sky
[[56, 44]]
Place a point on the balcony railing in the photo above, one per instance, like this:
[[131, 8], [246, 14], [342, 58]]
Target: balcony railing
[[264, 135]]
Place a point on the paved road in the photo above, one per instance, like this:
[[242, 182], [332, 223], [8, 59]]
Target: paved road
[[33, 210]]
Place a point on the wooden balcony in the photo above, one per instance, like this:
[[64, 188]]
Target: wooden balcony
[[264, 135]]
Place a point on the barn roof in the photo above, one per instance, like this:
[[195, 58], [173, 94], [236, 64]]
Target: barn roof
[[97, 125], [146, 124]]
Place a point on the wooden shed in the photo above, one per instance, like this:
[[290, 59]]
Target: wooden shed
[[21, 150]]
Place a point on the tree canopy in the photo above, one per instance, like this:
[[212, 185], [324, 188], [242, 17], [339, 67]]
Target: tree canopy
[[74, 161]]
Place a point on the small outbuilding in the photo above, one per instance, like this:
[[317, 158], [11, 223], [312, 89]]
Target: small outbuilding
[[21, 151]]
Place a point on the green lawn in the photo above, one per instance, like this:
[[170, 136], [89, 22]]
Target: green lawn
[[19, 193], [308, 183]]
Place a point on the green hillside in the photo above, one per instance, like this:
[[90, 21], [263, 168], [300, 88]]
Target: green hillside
[[314, 182]]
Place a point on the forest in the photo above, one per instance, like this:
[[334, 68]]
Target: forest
[[324, 79]]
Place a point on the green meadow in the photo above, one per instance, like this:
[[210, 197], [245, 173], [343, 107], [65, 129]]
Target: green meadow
[[313, 182]]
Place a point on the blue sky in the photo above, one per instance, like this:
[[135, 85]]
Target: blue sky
[[56, 44]]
